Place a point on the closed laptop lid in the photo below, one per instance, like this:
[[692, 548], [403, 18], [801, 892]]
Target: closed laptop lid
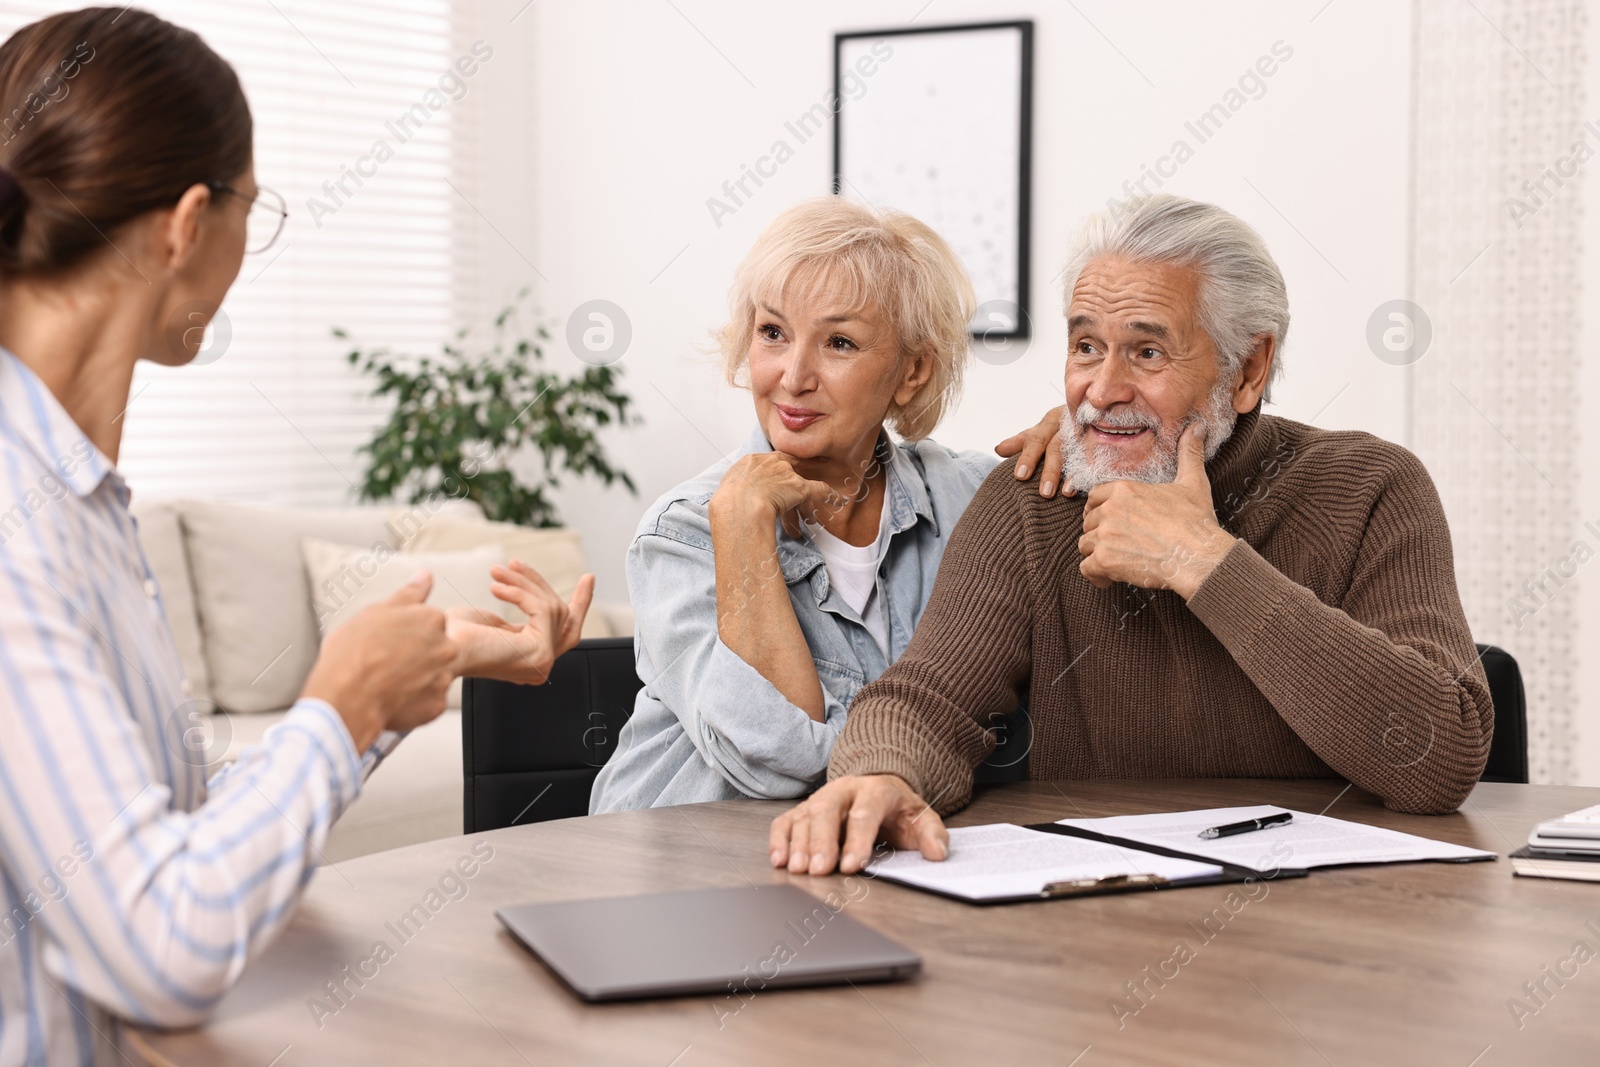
[[701, 940]]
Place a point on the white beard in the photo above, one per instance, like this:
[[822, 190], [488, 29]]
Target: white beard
[[1079, 470]]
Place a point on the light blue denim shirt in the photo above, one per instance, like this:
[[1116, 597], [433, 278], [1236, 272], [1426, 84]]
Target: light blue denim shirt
[[707, 725]]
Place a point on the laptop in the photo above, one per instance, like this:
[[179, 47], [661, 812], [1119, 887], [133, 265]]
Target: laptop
[[704, 941]]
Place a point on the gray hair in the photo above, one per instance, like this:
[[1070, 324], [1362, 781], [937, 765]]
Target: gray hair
[[1242, 295]]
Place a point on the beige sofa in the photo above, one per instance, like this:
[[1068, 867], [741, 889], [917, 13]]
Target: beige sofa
[[235, 587]]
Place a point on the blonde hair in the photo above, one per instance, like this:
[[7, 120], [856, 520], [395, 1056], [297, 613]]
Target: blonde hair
[[883, 259]]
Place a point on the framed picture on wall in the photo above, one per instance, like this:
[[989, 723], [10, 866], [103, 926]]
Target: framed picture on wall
[[937, 122]]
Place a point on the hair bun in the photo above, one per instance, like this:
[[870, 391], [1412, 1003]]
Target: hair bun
[[152, 111]]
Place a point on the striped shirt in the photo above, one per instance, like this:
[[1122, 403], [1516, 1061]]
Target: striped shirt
[[132, 887]]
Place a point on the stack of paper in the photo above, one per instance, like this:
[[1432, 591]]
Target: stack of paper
[[1568, 847]]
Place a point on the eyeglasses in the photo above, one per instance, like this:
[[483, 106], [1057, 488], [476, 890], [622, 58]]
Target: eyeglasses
[[266, 218]]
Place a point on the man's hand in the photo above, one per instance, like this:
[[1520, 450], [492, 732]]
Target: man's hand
[[1155, 536], [1040, 442], [806, 838], [491, 647]]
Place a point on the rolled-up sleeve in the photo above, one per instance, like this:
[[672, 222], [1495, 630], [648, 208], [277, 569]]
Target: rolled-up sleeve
[[738, 722]]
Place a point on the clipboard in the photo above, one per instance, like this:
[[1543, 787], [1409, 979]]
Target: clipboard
[[1232, 873], [1226, 874]]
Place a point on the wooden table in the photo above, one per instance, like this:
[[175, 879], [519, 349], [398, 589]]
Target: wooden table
[[1404, 964]]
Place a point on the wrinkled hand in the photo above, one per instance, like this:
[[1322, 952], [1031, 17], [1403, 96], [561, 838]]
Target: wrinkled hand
[[389, 667], [1039, 442], [766, 485], [491, 647], [858, 808], [1155, 536]]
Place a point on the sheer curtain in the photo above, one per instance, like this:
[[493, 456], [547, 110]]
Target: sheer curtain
[[1499, 106], [364, 123]]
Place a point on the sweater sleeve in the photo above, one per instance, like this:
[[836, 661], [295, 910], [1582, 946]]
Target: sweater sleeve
[[1385, 688], [969, 659]]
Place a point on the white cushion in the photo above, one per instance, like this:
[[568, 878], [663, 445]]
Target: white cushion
[[556, 553], [252, 596], [405, 520], [618, 615], [346, 578], [161, 534]]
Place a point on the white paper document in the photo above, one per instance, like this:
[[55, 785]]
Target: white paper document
[[1308, 841], [1000, 861]]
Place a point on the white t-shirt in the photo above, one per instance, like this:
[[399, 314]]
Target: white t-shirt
[[853, 570]]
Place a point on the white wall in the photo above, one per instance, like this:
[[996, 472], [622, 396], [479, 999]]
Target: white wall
[[636, 114]]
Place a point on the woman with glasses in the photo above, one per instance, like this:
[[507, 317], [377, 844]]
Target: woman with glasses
[[131, 886], [266, 218]]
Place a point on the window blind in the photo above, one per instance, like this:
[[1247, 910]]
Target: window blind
[[379, 241]]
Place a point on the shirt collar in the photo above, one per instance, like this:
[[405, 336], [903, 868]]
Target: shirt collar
[[906, 490], [904, 494], [32, 414]]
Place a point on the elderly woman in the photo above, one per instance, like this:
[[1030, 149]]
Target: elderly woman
[[773, 586]]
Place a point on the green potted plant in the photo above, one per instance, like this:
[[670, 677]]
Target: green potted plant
[[463, 418]]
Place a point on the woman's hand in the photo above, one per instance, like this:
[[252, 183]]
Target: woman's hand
[[763, 486], [491, 647], [754, 616], [1039, 442], [389, 668]]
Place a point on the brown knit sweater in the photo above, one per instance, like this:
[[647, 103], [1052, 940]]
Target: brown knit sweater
[[1329, 641]]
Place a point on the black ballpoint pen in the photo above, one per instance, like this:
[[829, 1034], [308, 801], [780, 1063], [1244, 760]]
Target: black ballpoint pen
[[1248, 825]]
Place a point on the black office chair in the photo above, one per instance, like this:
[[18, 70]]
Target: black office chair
[[1508, 752], [531, 753]]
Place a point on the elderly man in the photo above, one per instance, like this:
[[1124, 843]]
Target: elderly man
[[1236, 595]]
